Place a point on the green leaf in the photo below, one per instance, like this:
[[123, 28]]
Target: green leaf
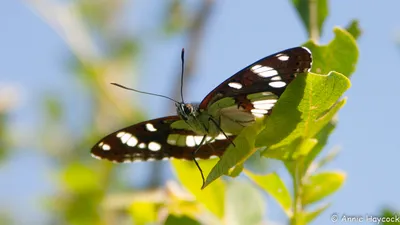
[[235, 171], [322, 137], [354, 29], [311, 215], [234, 155], [214, 196], [393, 215], [80, 178], [340, 55], [303, 9], [244, 204], [306, 106], [143, 212], [274, 186], [180, 220], [322, 185]]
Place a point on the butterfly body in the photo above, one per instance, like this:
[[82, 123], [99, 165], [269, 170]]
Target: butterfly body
[[205, 130]]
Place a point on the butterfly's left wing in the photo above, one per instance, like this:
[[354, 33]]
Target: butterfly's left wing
[[253, 91], [157, 139]]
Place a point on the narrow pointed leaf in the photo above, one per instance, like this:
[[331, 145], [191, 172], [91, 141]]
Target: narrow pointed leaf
[[274, 186], [322, 185]]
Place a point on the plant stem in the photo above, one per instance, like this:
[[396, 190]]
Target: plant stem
[[298, 207], [313, 20]]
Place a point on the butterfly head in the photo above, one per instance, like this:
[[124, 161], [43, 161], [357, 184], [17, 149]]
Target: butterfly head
[[185, 110]]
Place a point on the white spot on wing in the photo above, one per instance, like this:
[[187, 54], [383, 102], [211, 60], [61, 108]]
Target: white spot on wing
[[154, 146], [125, 137], [213, 156], [235, 85], [106, 147], [268, 73], [220, 137], [190, 142], [142, 145], [255, 67], [132, 142], [277, 84], [263, 106], [95, 156], [120, 134], [198, 139], [259, 111], [276, 78], [263, 69], [150, 127], [100, 144], [258, 115], [283, 57], [267, 101], [165, 158]]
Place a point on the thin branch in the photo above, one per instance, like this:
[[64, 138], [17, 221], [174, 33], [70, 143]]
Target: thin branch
[[313, 20], [195, 41]]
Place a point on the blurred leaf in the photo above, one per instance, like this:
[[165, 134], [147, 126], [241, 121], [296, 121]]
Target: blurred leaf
[[313, 101], [244, 204], [393, 217], [303, 9], [143, 212], [175, 20], [53, 107], [238, 154], [180, 220], [311, 215], [79, 178], [354, 29], [321, 185], [340, 55], [212, 197], [274, 186]]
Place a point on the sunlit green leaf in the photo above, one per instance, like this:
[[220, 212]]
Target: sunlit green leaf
[[274, 186], [313, 100], [322, 185], [311, 215], [80, 178], [143, 212], [213, 196], [340, 55]]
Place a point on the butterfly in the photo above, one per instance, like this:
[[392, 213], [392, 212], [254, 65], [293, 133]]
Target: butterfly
[[205, 130]]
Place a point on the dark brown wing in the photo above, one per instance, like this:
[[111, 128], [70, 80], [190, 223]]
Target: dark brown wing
[[155, 140], [269, 75]]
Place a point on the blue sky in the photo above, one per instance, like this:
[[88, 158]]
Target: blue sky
[[32, 58]]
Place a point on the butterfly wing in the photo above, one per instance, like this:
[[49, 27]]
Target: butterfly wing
[[157, 139], [253, 91]]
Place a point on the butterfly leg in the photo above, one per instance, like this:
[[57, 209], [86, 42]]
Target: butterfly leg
[[219, 128], [194, 158]]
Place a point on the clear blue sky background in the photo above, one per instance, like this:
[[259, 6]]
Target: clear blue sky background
[[32, 56]]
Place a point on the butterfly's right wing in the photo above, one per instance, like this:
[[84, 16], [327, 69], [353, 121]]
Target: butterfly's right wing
[[157, 139]]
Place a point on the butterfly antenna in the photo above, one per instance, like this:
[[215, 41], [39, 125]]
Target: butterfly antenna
[[183, 67], [143, 92]]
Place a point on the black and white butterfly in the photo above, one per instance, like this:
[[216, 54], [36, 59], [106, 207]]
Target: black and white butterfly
[[205, 130]]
